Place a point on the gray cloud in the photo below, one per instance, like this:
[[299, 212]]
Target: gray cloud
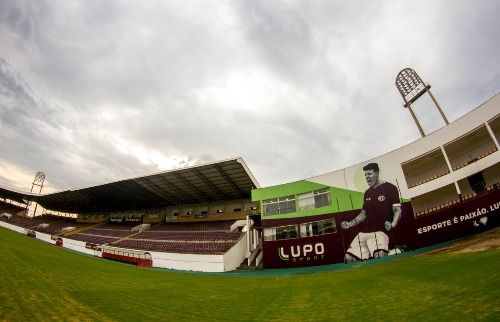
[[95, 91]]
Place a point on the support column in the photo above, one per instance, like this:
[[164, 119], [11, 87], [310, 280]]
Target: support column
[[416, 121], [443, 151], [249, 246], [457, 187], [438, 107], [492, 135]]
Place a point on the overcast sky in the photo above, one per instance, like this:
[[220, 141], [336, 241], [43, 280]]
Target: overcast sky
[[99, 91]]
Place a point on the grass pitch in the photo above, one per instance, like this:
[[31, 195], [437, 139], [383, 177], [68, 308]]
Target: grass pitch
[[41, 282]]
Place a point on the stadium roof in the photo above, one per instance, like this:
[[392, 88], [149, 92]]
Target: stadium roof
[[16, 195], [218, 181]]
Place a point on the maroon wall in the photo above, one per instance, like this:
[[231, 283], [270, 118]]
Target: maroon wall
[[128, 259], [471, 216]]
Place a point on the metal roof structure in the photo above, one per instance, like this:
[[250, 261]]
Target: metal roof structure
[[223, 180], [16, 195]]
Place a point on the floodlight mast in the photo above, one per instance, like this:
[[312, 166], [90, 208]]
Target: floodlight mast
[[411, 87], [38, 181]]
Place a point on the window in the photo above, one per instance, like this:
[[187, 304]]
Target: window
[[314, 199], [317, 228], [282, 205], [321, 198], [305, 201], [286, 204], [271, 206], [280, 233]]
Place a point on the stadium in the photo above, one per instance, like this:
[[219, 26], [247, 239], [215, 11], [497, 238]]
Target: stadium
[[216, 218]]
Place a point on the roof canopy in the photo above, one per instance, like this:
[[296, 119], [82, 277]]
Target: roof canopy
[[223, 180], [16, 195]]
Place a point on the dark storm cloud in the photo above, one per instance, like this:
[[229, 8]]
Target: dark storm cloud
[[97, 91]]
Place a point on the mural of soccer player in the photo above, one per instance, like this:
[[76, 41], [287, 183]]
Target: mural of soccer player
[[379, 216]]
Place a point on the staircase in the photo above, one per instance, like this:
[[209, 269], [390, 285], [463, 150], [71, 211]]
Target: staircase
[[253, 266]]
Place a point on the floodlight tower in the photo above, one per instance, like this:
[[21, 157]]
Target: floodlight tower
[[411, 87], [38, 182]]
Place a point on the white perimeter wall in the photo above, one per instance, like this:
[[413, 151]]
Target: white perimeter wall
[[13, 227], [186, 262], [41, 236], [236, 255], [79, 246], [45, 237]]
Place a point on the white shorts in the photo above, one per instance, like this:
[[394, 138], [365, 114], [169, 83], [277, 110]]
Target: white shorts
[[365, 244]]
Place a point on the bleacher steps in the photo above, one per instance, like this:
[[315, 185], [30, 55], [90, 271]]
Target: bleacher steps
[[80, 229]]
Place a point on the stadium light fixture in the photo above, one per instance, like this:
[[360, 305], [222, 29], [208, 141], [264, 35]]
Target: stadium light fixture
[[411, 87]]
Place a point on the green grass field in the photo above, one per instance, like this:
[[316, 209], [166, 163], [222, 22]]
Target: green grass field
[[41, 282]]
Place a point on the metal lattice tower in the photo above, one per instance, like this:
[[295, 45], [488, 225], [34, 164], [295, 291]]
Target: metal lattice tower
[[38, 182], [411, 87]]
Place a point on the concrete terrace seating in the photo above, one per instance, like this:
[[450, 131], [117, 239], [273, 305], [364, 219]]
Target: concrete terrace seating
[[193, 247], [92, 238], [213, 237], [106, 233], [188, 236], [422, 181], [223, 225], [20, 221], [48, 224], [449, 203], [126, 226], [56, 227]]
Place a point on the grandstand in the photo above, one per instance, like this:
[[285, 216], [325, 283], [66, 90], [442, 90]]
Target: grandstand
[[215, 217], [195, 238], [191, 218]]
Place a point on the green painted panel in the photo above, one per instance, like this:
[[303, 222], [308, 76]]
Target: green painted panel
[[286, 189], [341, 199]]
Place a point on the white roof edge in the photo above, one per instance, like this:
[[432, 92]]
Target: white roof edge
[[21, 192], [237, 159], [247, 169]]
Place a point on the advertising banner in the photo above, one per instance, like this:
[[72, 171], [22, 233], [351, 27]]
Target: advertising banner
[[371, 239]]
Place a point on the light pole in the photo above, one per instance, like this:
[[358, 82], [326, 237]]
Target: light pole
[[411, 87]]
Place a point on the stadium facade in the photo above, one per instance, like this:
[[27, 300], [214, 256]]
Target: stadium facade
[[215, 217], [447, 185]]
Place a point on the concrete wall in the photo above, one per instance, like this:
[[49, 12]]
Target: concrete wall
[[13, 227], [79, 246], [236, 255], [188, 262], [45, 237], [41, 236]]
